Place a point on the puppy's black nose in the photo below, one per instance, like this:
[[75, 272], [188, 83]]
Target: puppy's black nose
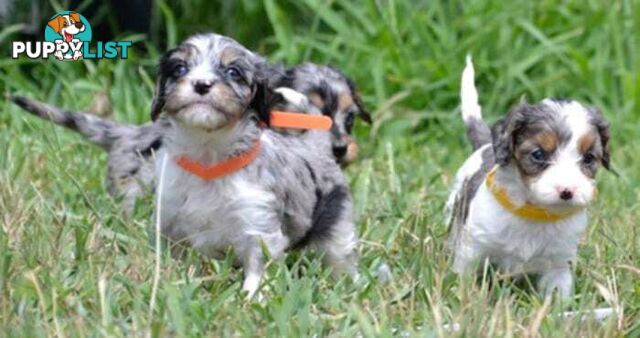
[[79, 25], [202, 86], [339, 151], [566, 194]]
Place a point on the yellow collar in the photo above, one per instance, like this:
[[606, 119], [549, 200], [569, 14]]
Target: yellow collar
[[527, 211]]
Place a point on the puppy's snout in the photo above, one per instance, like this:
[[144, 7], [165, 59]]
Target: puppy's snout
[[202, 86], [566, 194], [340, 151], [79, 25]]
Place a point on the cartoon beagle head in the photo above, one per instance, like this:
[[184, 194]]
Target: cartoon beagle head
[[67, 25]]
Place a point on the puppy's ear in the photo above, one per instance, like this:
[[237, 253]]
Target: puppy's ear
[[603, 130], [503, 135], [362, 111], [288, 78], [157, 104], [276, 75], [264, 97], [56, 23], [159, 95], [259, 102], [502, 148], [75, 16]]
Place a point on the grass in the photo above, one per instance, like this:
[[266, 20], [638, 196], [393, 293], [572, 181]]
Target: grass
[[70, 265]]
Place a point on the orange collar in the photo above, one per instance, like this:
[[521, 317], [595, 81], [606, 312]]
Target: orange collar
[[280, 119], [527, 211], [226, 167]]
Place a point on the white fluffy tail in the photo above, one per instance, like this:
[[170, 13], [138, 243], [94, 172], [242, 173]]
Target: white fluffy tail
[[477, 130], [468, 93]]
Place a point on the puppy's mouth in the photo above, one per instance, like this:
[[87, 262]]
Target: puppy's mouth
[[348, 157], [560, 205], [203, 103], [67, 37], [209, 105], [203, 114]]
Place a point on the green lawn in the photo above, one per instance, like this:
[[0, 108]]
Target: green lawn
[[71, 265]]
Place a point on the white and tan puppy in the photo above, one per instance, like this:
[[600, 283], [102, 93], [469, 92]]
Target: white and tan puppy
[[519, 201]]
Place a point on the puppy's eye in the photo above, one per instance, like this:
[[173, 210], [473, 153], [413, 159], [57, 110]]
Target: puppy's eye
[[233, 73], [180, 70], [539, 155], [589, 158], [65, 24], [348, 121]]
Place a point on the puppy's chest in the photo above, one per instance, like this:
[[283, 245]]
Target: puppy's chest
[[504, 235], [213, 215]]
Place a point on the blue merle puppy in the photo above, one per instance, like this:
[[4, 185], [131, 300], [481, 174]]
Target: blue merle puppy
[[131, 148], [292, 194]]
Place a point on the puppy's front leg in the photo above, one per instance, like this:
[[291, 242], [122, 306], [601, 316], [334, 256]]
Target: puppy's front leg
[[253, 258], [253, 271], [559, 279]]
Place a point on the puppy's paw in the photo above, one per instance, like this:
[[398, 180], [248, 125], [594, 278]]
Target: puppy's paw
[[384, 273], [463, 262], [251, 285], [257, 297], [559, 280]]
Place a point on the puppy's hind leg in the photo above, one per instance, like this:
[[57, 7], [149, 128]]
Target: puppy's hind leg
[[340, 249], [333, 232]]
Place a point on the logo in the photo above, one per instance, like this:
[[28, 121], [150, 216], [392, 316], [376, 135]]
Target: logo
[[68, 38]]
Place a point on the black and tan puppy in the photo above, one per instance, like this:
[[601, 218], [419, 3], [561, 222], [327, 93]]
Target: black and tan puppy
[[336, 96]]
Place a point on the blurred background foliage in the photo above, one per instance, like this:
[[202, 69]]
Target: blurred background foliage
[[406, 56]]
